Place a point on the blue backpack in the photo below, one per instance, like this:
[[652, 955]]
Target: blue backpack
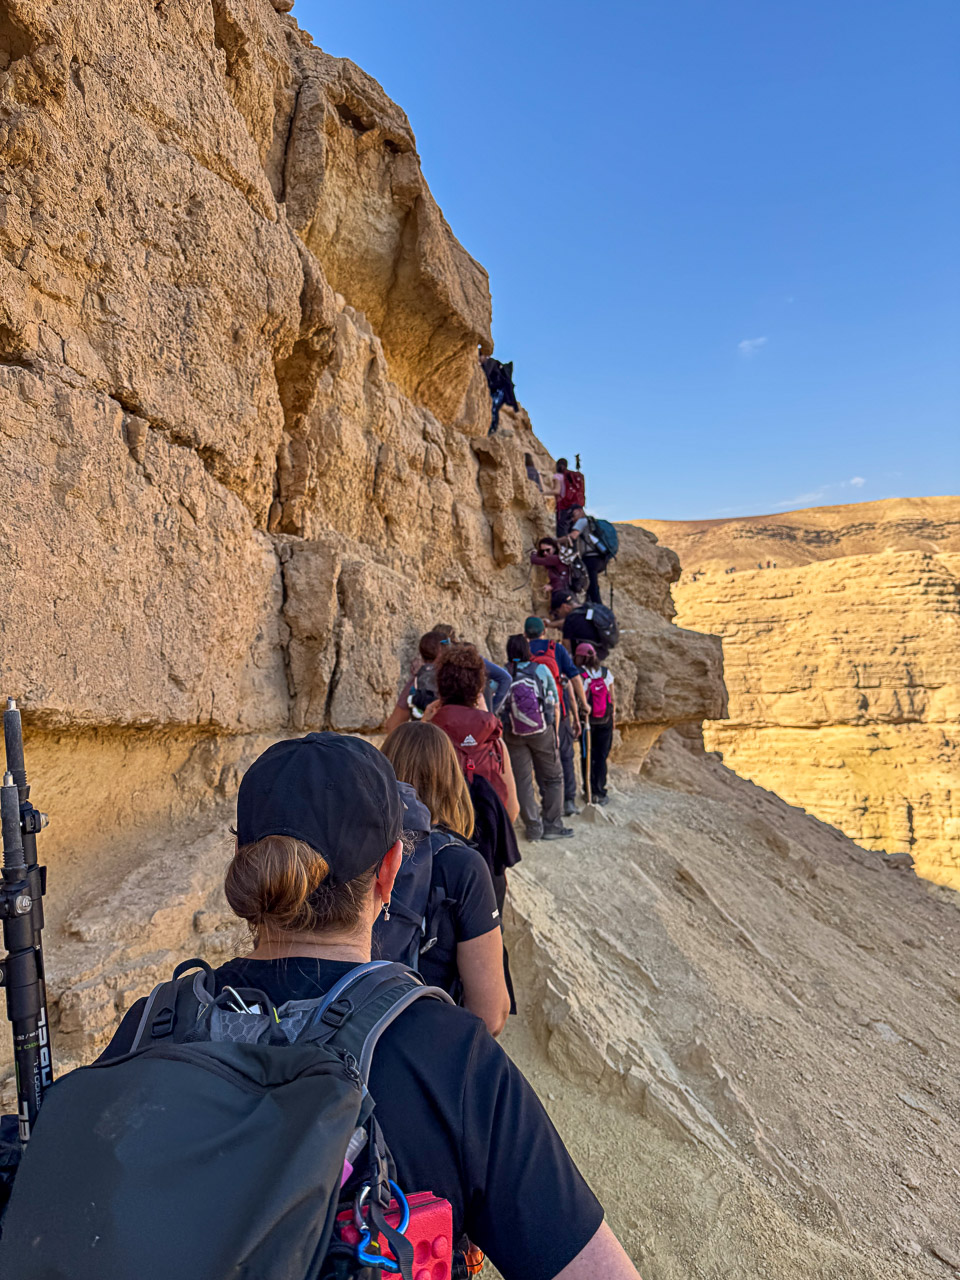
[[607, 534]]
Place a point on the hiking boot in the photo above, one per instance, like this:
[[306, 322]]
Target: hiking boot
[[534, 833], [603, 800], [558, 833], [570, 808]]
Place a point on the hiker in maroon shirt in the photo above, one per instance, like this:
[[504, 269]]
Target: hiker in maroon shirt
[[547, 554]]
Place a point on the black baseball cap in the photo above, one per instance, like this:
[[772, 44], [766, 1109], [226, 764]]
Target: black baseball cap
[[336, 793]]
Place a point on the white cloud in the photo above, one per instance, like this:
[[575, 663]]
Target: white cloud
[[824, 492], [749, 346]]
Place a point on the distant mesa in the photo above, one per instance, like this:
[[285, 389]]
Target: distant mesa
[[842, 666]]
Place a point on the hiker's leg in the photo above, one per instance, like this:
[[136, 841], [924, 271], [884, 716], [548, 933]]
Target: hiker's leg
[[497, 397], [564, 522], [592, 564], [522, 763], [546, 764], [602, 741], [566, 762]]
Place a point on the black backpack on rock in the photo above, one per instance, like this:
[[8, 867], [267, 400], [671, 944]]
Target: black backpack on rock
[[222, 1145], [604, 620]]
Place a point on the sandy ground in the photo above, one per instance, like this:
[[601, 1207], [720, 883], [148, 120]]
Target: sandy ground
[[747, 1030]]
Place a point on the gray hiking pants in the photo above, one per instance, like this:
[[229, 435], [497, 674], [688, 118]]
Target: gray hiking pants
[[536, 755], [566, 759]]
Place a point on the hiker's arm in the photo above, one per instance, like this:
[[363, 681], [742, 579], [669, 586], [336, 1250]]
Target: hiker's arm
[[480, 965], [513, 804], [500, 681], [577, 682], [602, 1256], [401, 712]]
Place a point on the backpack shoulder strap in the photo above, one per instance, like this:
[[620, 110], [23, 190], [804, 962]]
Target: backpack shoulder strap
[[161, 1009], [367, 1001]]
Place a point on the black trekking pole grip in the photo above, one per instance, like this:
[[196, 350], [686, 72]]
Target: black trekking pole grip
[[13, 744], [13, 860]]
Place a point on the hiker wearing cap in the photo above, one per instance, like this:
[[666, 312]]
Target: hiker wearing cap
[[319, 847], [460, 944], [558, 660], [531, 719], [598, 688], [575, 627]]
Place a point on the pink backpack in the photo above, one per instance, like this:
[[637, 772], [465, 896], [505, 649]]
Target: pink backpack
[[598, 695]]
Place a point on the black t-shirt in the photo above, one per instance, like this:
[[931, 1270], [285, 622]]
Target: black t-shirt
[[464, 878], [460, 1120]]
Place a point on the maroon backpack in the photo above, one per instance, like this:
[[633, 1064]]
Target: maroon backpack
[[478, 738]]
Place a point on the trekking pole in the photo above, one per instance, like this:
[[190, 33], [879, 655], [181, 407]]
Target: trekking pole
[[585, 734], [21, 910]]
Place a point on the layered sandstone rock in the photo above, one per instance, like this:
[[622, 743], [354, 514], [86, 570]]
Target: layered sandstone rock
[[841, 663], [243, 450]]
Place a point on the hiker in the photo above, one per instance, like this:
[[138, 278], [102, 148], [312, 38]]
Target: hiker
[[570, 489], [596, 554], [531, 724], [532, 472], [458, 1116], [461, 949], [500, 381], [497, 684], [547, 554], [564, 670], [598, 688], [477, 734], [575, 626], [421, 689]]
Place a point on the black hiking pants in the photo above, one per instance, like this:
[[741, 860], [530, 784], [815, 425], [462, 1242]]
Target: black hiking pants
[[601, 739], [594, 566]]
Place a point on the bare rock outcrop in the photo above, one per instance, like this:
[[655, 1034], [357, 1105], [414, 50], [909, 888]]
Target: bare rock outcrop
[[243, 449], [841, 664]]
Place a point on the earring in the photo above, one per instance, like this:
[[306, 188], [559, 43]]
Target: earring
[[386, 909]]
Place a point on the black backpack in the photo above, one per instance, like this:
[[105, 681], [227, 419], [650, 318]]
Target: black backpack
[[224, 1144], [411, 925], [423, 691], [604, 621]]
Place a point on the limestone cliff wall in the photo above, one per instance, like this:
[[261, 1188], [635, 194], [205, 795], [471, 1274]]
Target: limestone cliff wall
[[243, 451], [842, 664]]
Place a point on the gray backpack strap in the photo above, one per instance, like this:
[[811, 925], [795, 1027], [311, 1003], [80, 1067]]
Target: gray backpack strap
[[159, 1013], [367, 1001]]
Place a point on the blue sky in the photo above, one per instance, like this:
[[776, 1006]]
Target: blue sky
[[723, 236]]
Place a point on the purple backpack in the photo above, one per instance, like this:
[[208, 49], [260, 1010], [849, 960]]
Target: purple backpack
[[525, 709]]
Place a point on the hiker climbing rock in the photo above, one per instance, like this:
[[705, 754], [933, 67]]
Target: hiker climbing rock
[[443, 918], [500, 381], [598, 542], [564, 670], [570, 490], [420, 689], [598, 690], [591, 623], [531, 725]]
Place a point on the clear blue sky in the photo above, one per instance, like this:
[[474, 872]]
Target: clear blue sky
[[723, 236]]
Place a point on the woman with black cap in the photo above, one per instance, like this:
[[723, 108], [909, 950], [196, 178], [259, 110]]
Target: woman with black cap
[[319, 822]]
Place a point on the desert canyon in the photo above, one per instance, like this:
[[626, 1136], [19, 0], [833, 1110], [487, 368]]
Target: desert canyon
[[244, 464], [841, 663]]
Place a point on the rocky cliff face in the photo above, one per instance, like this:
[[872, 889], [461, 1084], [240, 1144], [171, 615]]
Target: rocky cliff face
[[841, 664], [243, 450]]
